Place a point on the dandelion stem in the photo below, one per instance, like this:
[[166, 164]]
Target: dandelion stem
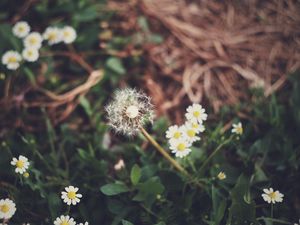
[[219, 148], [165, 153]]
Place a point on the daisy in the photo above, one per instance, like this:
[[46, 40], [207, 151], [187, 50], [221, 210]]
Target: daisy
[[7, 208], [272, 196], [70, 196], [11, 59], [237, 128], [33, 40], [30, 54], [189, 133], [68, 34], [199, 127], [119, 165], [21, 29], [174, 132], [21, 164], [86, 223], [180, 147], [196, 113], [52, 35], [64, 220], [221, 176]]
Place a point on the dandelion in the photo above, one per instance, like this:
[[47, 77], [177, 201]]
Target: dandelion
[[189, 133], [64, 220], [270, 195], [196, 113], [11, 59], [221, 176], [70, 195], [33, 40], [68, 34], [119, 165], [174, 132], [180, 147], [237, 128], [52, 35], [129, 111], [21, 164], [7, 208], [30, 54], [21, 29]]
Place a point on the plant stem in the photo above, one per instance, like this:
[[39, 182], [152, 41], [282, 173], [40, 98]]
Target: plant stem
[[165, 153], [272, 211], [274, 220], [219, 148]]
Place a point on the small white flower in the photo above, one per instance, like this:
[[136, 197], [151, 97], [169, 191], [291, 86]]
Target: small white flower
[[64, 220], [221, 176], [270, 195], [180, 147], [21, 29], [7, 208], [119, 165], [70, 195], [189, 133], [86, 223], [129, 111], [174, 132], [297, 223], [21, 164], [199, 127], [68, 34], [11, 59], [237, 128], [196, 113], [30, 54], [33, 40], [52, 35]]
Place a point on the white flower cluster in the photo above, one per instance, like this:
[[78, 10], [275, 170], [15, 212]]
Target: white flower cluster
[[182, 137], [32, 42]]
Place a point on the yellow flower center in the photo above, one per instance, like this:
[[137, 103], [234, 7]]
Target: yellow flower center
[[177, 135], [239, 130], [195, 125], [191, 133], [181, 147], [64, 222], [12, 60], [21, 29], [196, 114], [66, 34], [4, 208], [71, 195], [52, 36], [272, 195], [32, 41], [20, 164]]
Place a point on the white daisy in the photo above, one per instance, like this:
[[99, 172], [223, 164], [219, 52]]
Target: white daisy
[[30, 54], [52, 35], [11, 59], [119, 165], [68, 34], [272, 196], [189, 133], [199, 127], [86, 223], [221, 176], [196, 113], [70, 196], [21, 164], [7, 208], [64, 220], [237, 128], [180, 147], [21, 29], [33, 40], [174, 132]]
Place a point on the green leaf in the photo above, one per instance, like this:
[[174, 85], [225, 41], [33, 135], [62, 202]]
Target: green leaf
[[116, 65], [86, 105], [125, 222], [135, 174], [114, 189]]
